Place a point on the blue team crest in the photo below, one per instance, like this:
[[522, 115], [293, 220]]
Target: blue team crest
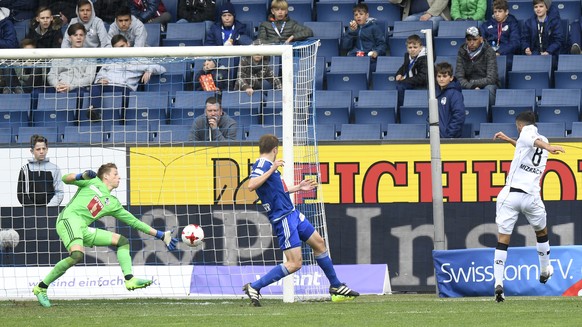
[[444, 101]]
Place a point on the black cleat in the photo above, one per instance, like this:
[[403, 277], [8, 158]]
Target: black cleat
[[342, 293], [253, 294], [499, 296]]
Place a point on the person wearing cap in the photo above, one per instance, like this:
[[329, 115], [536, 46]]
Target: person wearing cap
[[425, 10], [477, 64], [227, 30], [279, 28], [542, 33], [195, 11]]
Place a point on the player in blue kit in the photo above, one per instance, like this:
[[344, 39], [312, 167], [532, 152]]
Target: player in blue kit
[[290, 225]]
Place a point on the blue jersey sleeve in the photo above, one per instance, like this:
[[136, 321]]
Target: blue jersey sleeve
[[260, 167]]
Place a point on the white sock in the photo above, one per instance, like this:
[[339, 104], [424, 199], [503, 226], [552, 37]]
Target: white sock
[[544, 254], [499, 266]]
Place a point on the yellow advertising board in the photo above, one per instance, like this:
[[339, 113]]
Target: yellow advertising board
[[386, 173]]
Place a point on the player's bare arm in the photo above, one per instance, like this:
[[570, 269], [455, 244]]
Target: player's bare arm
[[256, 182], [502, 136], [553, 149], [304, 185]]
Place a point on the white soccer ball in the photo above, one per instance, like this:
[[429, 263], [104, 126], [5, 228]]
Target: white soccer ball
[[9, 238], [193, 235]]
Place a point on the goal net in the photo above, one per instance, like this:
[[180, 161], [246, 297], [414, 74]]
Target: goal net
[[173, 172]]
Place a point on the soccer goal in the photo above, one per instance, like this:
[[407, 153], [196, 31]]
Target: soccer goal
[[168, 179]]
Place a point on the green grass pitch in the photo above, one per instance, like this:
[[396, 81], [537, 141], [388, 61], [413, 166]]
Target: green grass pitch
[[367, 311]]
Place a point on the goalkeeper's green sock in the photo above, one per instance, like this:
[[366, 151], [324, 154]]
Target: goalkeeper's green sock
[[62, 266], [123, 256]]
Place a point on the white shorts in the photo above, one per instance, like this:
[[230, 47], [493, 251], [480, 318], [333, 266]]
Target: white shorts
[[511, 204]]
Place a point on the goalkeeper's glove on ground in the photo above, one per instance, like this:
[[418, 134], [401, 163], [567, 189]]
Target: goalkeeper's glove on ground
[[86, 175], [171, 242]]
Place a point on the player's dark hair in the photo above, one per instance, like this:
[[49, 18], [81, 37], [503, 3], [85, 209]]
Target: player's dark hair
[[105, 168], [267, 143], [27, 42], [213, 100], [123, 11], [526, 117], [38, 139], [361, 7], [444, 68], [500, 5], [117, 38], [75, 27], [414, 39], [535, 2]]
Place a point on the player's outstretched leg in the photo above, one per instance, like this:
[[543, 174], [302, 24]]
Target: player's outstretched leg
[[135, 283], [342, 293], [253, 294], [41, 296], [499, 296]]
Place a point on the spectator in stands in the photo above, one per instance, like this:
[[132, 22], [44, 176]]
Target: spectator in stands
[[413, 74], [28, 76], [8, 80], [195, 11], [44, 31], [468, 9], [255, 73], [20, 10], [502, 31], [227, 30], [107, 9], [130, 27], [39, 181], [424, 10], [96, 34], [477, 64], [73, 74], [450, 101], [542, 33], [120, 77], [364, 37], [279, 28], [214, 124], [150, 11], [211, 77], [65, 9]]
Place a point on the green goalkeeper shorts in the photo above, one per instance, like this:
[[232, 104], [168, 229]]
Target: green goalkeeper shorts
[[74, 231]]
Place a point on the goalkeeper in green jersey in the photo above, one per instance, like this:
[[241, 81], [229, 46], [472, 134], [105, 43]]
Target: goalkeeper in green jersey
[[92, 201]]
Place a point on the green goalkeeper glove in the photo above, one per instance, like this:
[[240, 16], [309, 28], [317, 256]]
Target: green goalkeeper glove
[[170, 241], [86, 175]]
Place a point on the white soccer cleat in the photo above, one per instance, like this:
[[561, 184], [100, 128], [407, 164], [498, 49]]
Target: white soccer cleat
[[545, 275]]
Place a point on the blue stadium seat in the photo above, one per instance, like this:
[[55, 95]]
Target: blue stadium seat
[[83, 134], [187, 106], [329, 35], [6, 135], [384, 12], [111, 106], [129, 134], [153, 38], [488, 130], [320, 67], [455, 28], [242, 108], [559, 105], [273, 108], [576, 129], [476, 107], [14, 110], [256, 131], [502, 70], [301, 10], [55, 109], [335, 10], [569, 9], [186, 34], [325, 132], [375, 107], [405, 131], [509, 103], [530, 72], [170, 83], [569, 63], [554, 129], [384, 76], [451, 35], [181, 67], [447, 46], [569, 72], [251, 10], [51, 133], [145, 108], [452, 60], [402, 30], [521, 9], [172, 8], [332, 107], [358, 132], [414, 109], [348, 73], [172, 134]]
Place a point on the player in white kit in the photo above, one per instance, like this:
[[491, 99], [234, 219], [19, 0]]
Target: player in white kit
[[521, 194]]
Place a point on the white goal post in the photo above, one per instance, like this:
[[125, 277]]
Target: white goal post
[[168, 182]]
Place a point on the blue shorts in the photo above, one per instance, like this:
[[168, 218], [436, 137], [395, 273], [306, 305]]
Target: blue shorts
[[292, 230]]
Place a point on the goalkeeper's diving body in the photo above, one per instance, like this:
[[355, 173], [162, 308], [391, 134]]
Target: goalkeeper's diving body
[[289, 224], [92, 201]]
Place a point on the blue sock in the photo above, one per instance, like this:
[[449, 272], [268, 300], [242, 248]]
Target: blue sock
[[324, 261], [272, 276]]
